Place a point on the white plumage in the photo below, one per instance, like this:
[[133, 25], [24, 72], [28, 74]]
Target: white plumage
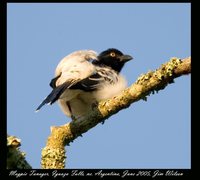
[[81, 101], [82, 78], [76, 66]]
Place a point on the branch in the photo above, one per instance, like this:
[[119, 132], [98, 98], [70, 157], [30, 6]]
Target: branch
[[15, 158], [53, 155]]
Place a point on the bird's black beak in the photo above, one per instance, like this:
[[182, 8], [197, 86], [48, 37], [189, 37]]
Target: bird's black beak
[[126, 58]]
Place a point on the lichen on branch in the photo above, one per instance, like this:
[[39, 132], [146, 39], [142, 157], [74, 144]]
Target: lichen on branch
[[146, 84]]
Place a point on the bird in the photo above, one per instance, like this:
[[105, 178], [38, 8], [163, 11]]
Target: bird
[[84, 78]]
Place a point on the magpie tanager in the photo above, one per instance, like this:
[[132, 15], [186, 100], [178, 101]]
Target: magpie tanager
[[84, 78]]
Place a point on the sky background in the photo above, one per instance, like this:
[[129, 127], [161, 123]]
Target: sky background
[[153, 134]]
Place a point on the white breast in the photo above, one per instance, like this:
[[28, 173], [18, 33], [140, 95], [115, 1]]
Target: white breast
[[110, 90]]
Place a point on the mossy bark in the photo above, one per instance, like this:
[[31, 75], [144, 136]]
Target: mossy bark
[[53, 155]]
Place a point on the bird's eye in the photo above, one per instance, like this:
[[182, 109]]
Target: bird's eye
[[112, 54]]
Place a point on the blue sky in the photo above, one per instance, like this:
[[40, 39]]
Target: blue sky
[[153, 134]]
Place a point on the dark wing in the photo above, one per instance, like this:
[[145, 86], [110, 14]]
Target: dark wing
[[96, 80], [55, 94], [53, 82], [89, 84]]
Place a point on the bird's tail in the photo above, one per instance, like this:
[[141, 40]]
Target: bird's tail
[[53, 96]]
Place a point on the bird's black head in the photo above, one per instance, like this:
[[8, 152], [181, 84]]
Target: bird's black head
[[113, 58]]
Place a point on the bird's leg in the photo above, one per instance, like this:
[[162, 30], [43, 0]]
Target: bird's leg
[[70, 110]]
